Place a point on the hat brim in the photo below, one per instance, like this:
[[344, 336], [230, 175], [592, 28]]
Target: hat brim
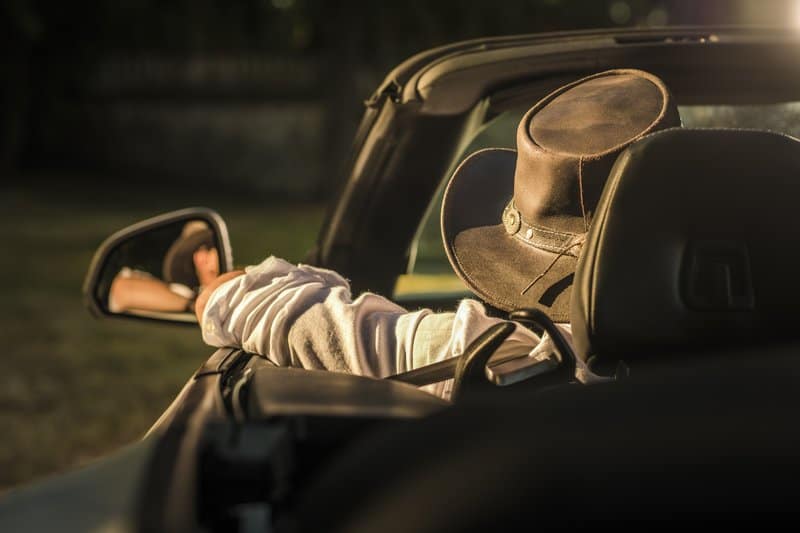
[[495, 265]]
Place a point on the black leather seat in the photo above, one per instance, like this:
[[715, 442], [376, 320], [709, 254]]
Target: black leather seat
[[694, 246], [691, 249]]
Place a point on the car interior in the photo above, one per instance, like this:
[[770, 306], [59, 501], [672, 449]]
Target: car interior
[[695, 299], [689, 307], [686, 294]]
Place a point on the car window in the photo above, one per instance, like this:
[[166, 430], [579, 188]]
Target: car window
[[429, 273]]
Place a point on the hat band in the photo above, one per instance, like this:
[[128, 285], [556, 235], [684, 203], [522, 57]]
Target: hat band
[[559, 242]]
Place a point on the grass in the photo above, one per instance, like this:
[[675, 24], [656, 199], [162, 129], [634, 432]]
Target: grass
[[74, 387]]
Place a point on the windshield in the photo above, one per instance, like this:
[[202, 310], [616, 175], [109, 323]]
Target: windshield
[[429, 273]]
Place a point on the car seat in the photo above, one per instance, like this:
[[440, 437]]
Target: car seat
[[692, 249]]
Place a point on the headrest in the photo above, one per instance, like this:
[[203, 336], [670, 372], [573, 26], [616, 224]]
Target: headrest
[[694, 244]]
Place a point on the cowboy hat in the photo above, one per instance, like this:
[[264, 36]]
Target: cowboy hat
[[513, 221], [179, 264]]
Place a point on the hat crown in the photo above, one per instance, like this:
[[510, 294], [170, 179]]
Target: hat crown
[[567, 143], [597, 115]]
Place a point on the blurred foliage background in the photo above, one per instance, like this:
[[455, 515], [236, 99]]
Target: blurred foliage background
[[113, 111]]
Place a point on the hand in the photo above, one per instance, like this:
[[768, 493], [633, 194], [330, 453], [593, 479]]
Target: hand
[[202, 298]]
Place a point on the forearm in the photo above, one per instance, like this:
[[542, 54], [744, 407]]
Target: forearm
[[146, 295]]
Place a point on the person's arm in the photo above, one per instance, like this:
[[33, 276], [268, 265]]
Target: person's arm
[[306, 317], [130, 293], [202, 298]]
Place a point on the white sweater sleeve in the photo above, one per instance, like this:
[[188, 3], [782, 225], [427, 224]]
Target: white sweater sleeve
[[305, 317]]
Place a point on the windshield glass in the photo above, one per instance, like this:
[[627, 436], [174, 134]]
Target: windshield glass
[[429, 272]]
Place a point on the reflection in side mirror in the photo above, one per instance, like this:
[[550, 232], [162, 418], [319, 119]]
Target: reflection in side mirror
[[155, 269]]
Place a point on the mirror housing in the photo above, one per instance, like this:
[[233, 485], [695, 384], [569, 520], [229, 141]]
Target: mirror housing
[[154, 269]]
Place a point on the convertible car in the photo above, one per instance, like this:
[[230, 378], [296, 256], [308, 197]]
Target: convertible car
[[685, 299]]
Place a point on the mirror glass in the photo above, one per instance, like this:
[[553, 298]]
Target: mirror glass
[[158, 273]]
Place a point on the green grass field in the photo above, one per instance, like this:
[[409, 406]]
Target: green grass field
[[74, 387]]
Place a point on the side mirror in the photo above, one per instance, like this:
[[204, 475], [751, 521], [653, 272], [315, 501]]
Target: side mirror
[[155, 269]]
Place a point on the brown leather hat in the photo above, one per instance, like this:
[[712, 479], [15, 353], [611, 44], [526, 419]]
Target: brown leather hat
[[513, 222], [178, 261]]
